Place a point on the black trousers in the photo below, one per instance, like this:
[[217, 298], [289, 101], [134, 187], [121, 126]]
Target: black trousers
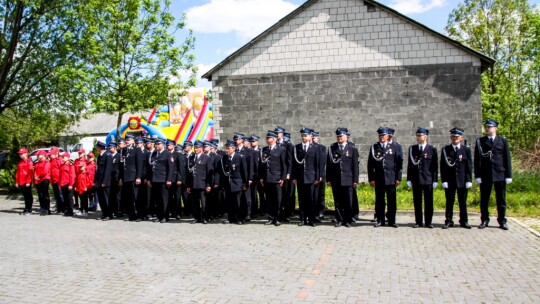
[[67, 194], [256, 203], [212, 203], [113, 196], [427, 192], [288, 199], [233, 205], [261, 196], [43, 195], [320, 196], [173, 200], [143, 196], [355, 203], [58, 198], [246, 203], [84, 200], [500, 196], [160, 197], [176, 207], [103, 199], [187, 200], [306, 197], [129, 195], [450, 194], [380, 204], [343, 198], [273, 193], [28, 199], [199, 208]]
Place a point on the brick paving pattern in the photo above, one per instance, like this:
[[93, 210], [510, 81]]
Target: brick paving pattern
[[72, 260]]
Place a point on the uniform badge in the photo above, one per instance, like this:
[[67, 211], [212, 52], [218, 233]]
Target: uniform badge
[[172, 159], [425, 155], [390, 151], [233, 167], [460, 157], [347, 153], [114, 161]]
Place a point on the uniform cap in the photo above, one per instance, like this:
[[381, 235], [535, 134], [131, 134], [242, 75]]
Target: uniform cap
[[457, 131], [198, 143], [342, 131], [422, 131], [306, 131], [271, 134], [491, 123], [188, 143], [238, 136]]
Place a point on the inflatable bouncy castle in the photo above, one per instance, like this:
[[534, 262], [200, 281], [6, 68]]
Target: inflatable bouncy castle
[[186, 118]]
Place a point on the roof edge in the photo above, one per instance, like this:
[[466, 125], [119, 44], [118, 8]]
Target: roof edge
[[485, 60]]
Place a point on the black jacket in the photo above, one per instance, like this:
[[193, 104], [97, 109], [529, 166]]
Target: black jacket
[[103, 170], [422, 169], [231, 174], [272, 166], [162, 166], [133, 164], [342, 166], [305, 165], [456, 168], [385, 165], [200, 172], [492, 162]]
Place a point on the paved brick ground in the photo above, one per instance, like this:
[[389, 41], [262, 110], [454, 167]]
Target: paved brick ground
[[56, 259]]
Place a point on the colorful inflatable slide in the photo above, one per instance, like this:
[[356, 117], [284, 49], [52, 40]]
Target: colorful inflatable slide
[[188, 118]]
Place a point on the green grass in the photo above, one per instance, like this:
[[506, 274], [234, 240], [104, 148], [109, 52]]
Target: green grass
[[522, 195]]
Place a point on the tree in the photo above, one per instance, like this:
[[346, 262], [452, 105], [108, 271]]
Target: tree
[[38, 68], [132, 55], [509, 32]]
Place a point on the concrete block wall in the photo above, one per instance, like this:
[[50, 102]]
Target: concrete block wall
[[438, 97], [343, 34]]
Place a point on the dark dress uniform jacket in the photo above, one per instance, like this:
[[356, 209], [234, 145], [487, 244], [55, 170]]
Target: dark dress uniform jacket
[[425, 173], [308, 170], [342, 166], [133, 164], [388, 168], [248, 155], [456, 168], [231, 174], [272, 166], [103, 171], [162, 166], [179, 167], [200, 172], [322, 160], [495, 165], [116, 160]]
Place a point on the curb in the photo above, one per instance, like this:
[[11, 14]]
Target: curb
[[536, 233]]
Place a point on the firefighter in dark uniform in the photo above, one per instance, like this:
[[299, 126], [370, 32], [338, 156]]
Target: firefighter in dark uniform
[[180, 168], [246, 194], [272, 174], [141, 204], [211, 197], [120, 149], [342, 174], [320, 188], [131, 176], [422, 171], [258, 201], [199, 181], [102, 180], [287, 189], [162, 174], [385, 164], [116, 160], [305, 175], [355, 208], [177, 180], [186, 197], [492, 169], [456, 176], [148, 207], [231, 175]]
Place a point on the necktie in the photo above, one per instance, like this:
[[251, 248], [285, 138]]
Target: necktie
[[341, 147], [305, 148], [230, 158], [491, 140], [421, 149], [456, 149]]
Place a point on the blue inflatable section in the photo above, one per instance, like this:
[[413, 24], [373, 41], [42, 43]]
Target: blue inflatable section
[[153, 131]]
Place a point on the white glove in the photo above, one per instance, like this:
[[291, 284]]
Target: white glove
[[409, 183], [468, 185], [508, 180], [445, 185], [435, 184], [478, 180]]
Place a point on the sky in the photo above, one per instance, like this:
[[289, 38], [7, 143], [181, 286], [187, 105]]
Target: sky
[[221, 27]]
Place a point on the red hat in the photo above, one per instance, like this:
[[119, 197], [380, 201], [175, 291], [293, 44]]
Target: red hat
[[65, 154], [41, 152], [90, 154], [22, 151], [81, 150], [54, 150]]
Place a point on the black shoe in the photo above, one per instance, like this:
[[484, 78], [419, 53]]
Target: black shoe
[[394, 225], [430, 226], [417, 225], [248, 219], [317, 220], [163, 221], [353, 220], [338, 224], [321, 216], [465, 225], [177, 217], [286, 220], [374, 219], [446, 226], [105, 219], [240, 223], [156, 220], [226, 222], [194, 221], [270, 222], [205, 222], [277, 223], [356, 218], [483, 225], [503, 226], [312, 224], [138, 220], [301, 223], [378, 224], [347, 225]]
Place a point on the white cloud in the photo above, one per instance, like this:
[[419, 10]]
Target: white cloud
[[415, 6], [201, 69], [245, 18]]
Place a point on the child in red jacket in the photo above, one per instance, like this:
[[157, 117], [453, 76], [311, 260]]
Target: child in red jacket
[[23, 180], [42, 176], [81, 182], [56, 162], [66, 183], [91, 171]]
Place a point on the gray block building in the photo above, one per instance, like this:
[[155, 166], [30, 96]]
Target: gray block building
[[350, 63]]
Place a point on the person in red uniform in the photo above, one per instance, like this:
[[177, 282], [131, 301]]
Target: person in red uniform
[[42, 176], [56, 162], [91, 172], [81, 182], [66, 183], [23, 180]]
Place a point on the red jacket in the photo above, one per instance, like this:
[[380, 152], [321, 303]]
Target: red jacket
[[81, 176], [91, 171], [67, 175], [55, 170], [42, 171], [23, 175]]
